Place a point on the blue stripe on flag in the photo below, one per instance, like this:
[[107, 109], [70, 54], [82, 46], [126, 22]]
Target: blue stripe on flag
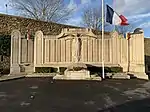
[[109, 15]]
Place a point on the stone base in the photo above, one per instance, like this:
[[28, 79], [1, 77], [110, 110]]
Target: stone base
[[109, 75], [120, 76], [15, 69], [83, 74], [26, 67], [141, 76], [76, 75], [63, 77], [40, 74]]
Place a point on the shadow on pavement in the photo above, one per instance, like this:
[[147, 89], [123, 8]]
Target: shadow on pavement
[[133, 106]]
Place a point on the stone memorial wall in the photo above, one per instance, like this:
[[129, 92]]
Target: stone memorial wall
[[52, 45]]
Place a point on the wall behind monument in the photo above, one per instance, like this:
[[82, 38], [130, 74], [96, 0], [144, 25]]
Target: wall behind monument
[[9, 23]]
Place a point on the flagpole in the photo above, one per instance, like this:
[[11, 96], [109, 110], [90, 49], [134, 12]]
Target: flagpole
[[128, 54], [103, 75], [27, 49]]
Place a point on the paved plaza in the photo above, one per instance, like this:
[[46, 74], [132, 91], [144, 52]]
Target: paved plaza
[[47, 95]]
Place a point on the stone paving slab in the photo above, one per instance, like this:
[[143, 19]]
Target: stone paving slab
[[63, 77], [40, 74], [11, 77], [23, 75]]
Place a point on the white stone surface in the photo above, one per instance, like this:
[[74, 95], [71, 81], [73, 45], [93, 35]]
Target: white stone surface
[[40, 74], [77, 75], [120, 76], [83, 74], [109, 75], [141, 76]]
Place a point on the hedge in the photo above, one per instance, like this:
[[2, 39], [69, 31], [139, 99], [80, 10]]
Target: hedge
[[45, 70]]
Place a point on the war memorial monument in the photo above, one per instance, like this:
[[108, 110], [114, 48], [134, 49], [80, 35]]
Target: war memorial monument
[[77, 47]]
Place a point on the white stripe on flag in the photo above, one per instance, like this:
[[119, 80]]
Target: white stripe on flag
[[116, 19]]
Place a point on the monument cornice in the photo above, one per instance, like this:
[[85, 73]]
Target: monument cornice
[[76, 33]]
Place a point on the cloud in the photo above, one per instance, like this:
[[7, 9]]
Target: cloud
[[118, 5], [139, 16], [144, 25], [77, 6], [2, 6], [132, 7], [72, 5], [136, 21], [85, 1], [74, 21]]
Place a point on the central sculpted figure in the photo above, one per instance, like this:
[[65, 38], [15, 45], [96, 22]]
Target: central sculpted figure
[[76, 48]]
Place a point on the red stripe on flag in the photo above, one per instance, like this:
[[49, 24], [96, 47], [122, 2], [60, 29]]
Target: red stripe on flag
[[124, 20]]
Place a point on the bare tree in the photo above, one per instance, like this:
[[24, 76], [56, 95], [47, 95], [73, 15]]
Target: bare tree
[[92, 18], [46, 10]]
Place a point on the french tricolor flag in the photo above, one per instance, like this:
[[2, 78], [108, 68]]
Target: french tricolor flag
[[114, 18]]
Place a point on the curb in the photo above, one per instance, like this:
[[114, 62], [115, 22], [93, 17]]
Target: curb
[[10, 78]]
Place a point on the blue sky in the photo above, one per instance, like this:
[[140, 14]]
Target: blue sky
[[136, 11]]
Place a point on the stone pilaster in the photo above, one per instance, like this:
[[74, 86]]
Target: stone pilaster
[[38, 48], [15, 52]]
